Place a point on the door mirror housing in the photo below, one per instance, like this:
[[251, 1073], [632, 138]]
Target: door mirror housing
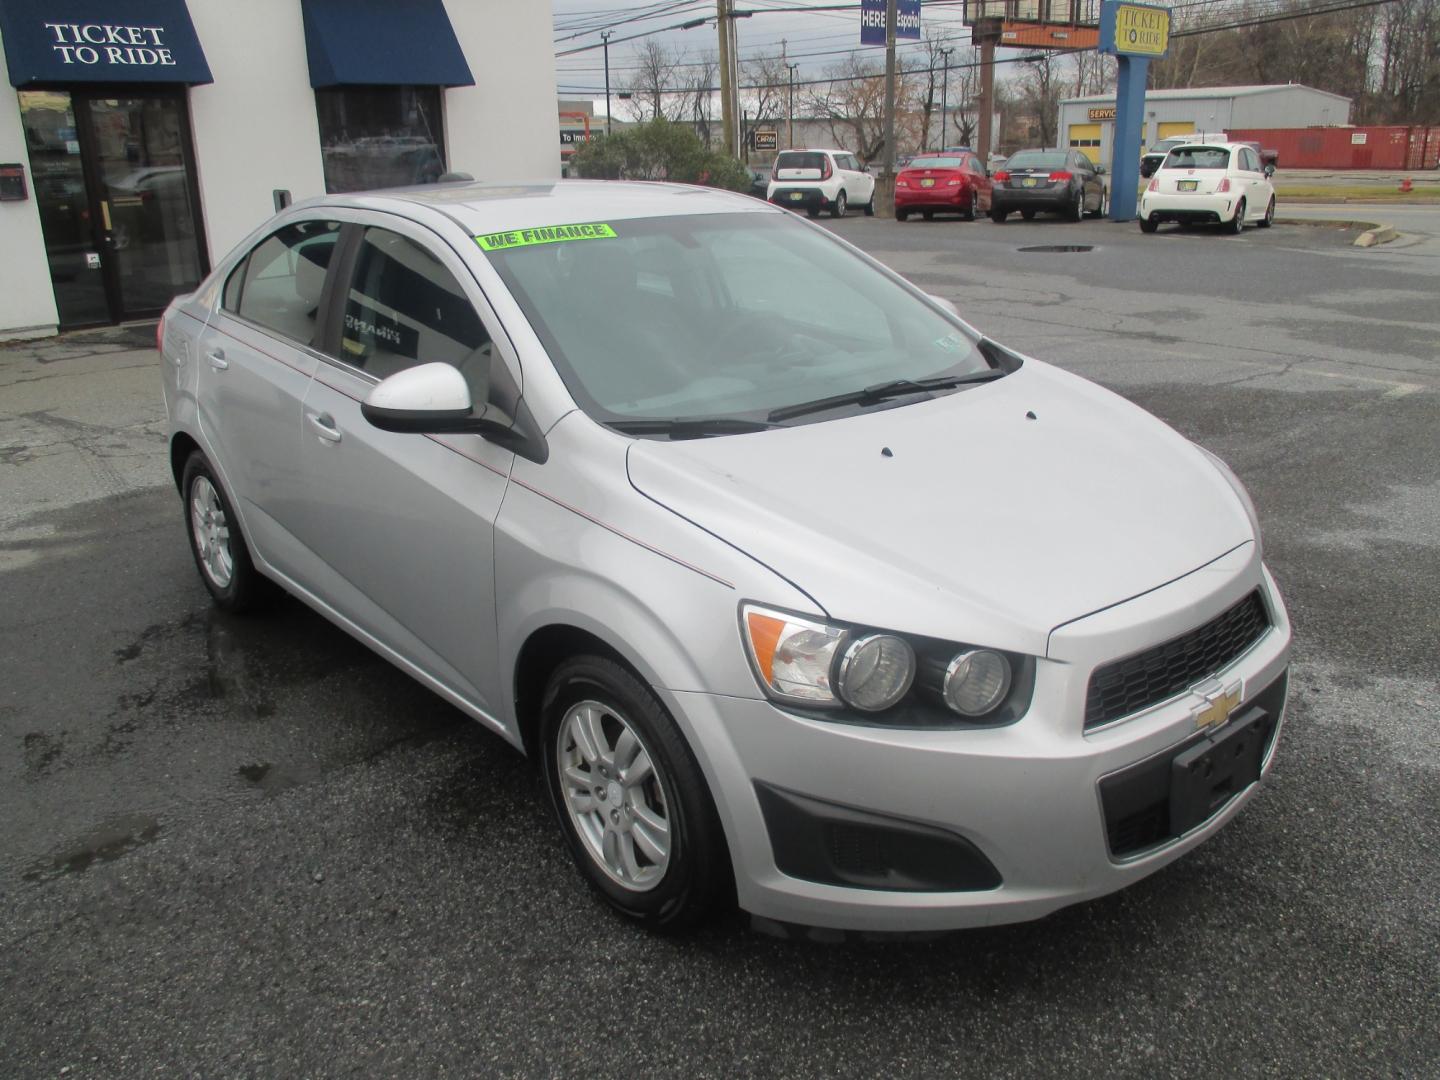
[[426, 399], [1269, 171], [1099, 170]]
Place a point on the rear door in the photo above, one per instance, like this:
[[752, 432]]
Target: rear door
[[402, 525], [256, 356]]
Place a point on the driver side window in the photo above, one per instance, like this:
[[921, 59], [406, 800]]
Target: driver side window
[[404, 308]]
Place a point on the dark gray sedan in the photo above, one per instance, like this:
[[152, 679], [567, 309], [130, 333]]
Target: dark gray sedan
[[1063, 181]]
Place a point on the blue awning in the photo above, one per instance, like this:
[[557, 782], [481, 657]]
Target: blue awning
[[101, 41], [382, 43]]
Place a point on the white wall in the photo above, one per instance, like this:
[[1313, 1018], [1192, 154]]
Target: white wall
[[27, 300], [255, 127], [506, 126]]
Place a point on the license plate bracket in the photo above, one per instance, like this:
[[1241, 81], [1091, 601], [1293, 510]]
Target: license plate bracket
[[796, 196], [927, 182], [1207, 775], [1185, 185]]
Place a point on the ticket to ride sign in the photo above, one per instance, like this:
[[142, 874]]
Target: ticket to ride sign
[[1134, 29]]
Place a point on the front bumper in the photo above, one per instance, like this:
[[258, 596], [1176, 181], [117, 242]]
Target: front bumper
[[1189, 208], [1027, 798]]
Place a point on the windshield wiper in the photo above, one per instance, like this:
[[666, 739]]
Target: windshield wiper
[[872, 395], [697, 428]]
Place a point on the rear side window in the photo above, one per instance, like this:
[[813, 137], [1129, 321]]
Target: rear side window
[[403, 308], [278, 285], [803, 159], [1197, 157]]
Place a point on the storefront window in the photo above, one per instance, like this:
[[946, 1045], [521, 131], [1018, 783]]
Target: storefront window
[[380, 136]]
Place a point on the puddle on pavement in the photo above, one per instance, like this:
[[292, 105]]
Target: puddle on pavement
[[271, 780], [105, 843]]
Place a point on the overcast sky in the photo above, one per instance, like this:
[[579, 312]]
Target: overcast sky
[[813, 39]]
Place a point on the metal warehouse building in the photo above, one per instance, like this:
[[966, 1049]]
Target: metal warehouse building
[[144, 138], [1089, 122]]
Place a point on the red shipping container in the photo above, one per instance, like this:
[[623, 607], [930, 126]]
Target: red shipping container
[[1388, 147]]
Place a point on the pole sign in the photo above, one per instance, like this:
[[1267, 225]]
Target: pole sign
[[872, 21], [1134, 29], [765, 138]]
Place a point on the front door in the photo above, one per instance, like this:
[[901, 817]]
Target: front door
[[115, 184]]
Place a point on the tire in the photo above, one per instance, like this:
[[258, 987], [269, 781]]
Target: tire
[[870, 206], [1236, 225], [1269, 218], [1100, 205], [973, 210], [838, 210], [1148, 225], [812, 212], [667, 879], [1028, 215], [901, 215], [221, 555], [998, 216], [1076, 210]]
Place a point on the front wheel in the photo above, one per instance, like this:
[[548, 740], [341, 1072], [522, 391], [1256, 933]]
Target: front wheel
[[215, 541], [1149, 225], [631, 800], [838, 211], [1028, 215], [1269, 218], [901, 215], [812, 212], [1236, 225], [998, 216], [1100, 204]]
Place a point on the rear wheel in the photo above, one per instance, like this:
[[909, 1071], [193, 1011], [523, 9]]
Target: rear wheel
[[1100, 204], [1076, 210], [1236, 224], [901, 215], [1269, 217], [972, 211], [220, 552], [870, 206], [838, 210], [998, 216], [631, 800], [812, 212], [1149, 225]]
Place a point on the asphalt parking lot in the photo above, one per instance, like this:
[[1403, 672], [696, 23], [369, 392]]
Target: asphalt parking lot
[[248, 846]]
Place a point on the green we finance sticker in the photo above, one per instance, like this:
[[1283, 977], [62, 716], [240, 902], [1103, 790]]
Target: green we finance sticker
[[549, 234]]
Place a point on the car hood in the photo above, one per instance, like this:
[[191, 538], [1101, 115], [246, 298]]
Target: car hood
[[991, 515]]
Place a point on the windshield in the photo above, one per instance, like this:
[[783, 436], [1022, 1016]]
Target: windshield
[[1197, 157], [723, 315], [936, 163], [1037, 159]]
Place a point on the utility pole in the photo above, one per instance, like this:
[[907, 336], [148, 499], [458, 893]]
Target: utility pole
[[986, 34], [738, 149], [885, 184], [944, 95], [727, 99], [790, 112], [605, 37]]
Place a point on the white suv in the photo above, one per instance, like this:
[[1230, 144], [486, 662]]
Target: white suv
[[816, 180]]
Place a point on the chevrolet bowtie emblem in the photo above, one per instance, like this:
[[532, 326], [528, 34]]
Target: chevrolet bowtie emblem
[[1220, 702]]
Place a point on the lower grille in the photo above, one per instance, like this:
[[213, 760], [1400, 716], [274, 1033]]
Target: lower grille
[[1126, 686]]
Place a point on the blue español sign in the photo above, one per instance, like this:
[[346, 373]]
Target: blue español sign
[[872, 21]]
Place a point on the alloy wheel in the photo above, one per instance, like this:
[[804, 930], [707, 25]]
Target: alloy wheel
[[211, 530], [614, 794]]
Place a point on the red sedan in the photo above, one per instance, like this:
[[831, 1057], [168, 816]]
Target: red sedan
[[953, 183]]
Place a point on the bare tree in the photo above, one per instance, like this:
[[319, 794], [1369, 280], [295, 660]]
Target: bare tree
[[654, 85], [852, 105], [767, 83], [1039, 87], [698, 88]]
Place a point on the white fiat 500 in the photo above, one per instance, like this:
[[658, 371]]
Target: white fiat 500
[[1210, 183], [800, 590]]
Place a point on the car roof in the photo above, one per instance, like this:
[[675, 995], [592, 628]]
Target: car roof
[[814, 150], [494, 207]]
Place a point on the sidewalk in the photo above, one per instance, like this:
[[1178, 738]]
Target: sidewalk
[[81, 417]]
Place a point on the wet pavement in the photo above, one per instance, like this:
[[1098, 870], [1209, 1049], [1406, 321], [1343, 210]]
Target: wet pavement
[[246, 845]]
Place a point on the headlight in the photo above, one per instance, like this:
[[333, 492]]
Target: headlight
[[875, 671], [976, 681], [792, 655]]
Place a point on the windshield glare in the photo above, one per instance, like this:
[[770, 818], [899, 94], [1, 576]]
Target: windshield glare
[[1035, 159], [730, 315], [1197, 157], [936, 163]]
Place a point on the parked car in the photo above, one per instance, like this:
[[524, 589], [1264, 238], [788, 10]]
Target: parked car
[[1153, 158], [799, 589], [1214, 183], [1063, 181], [759, 182], [942, 183], [816, 180]]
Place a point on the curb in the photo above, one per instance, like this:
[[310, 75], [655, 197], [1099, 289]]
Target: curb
[[1380, 234]]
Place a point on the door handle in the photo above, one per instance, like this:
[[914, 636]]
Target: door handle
[[324, 425], [217, 359]]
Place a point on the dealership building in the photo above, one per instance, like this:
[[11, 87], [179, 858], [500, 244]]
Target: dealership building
[[146, 137], [1089, 122]]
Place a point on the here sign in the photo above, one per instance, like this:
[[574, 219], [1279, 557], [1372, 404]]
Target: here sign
[[1128, 29]]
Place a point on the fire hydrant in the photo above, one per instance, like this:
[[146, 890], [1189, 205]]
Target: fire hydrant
[[1406, 186]]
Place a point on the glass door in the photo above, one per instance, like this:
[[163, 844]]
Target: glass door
[[72, 239], [142, 189]]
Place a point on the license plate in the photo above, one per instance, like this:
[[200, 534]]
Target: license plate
[[1029, 181], [927, 183], [796, 196], [1209, 774], [1186, 185]]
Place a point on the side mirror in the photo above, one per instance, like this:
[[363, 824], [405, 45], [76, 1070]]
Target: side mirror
[[1269, 171], [1099, 170], [431, 399]]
